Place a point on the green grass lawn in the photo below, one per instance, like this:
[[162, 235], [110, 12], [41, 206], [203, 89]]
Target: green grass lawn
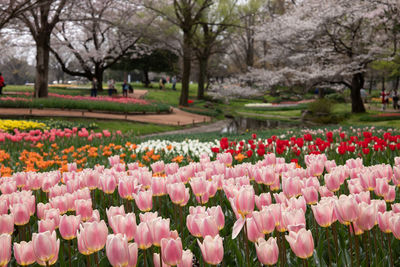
[[126, 127]]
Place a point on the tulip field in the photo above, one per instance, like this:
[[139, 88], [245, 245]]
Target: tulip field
[[311, 197]]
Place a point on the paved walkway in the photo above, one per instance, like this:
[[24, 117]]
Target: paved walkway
[[176, 117]]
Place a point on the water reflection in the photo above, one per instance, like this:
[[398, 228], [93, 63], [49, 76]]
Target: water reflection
[[240, 124]]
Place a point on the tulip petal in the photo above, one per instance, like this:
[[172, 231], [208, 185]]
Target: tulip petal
[[237, 227]]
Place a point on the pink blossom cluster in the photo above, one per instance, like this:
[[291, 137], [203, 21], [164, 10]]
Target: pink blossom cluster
[[52, 134], [270, 196]]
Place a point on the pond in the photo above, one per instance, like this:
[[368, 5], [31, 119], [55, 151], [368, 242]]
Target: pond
[[241, 124]]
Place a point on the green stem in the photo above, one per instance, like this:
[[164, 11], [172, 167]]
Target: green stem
[[145, 258], [70, 256], [329, 247], [96, 259], [334, 234], [88, 261], [390, 249], [357, 249], [246, 245], [160, 258], [351, 245], [366, 242]]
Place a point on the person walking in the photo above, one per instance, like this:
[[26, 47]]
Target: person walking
[[93, 91], [384, 98], [125, 88], [2, 83], [395, 99], [173, 83], [111, 87]]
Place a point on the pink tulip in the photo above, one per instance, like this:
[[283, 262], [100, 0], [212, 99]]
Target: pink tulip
[[94, 235], [176, 192], [267, 251], [367, 216], [394, 223], [244, 200], [52, 214], [208, 226], [390, 196], [384, 221], [3, 206], [212, 249], [23, 253], [46, 247], [159, 186], [396, 206], [325, 192], [297, 203], [60, 203], [332, 181], [159, 229], [133, 254], [382, 187], [292, 186], [117, 250], [253, 232], [310, 195], [262, 200], [324, 213], [8, 187], [367, 180], [218, 215], [171, 251], [6, 224], [301, 243], [264, 220], [112, 211], [84, 209], [186, 197], [346, 209], [158, 167], [143, 236], [364, 196], [46, 225], [127, 187], [69, 226], [21, 214], [199, 186], [107, 184], [148, 216], [193, 222], [5, 251], [187, 259], [41, 208], [144, 200], [293, 220], [125, 225]]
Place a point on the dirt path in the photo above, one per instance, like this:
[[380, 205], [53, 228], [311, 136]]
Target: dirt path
[[176, 117]]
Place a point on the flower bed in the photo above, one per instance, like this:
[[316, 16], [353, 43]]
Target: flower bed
[[215, 211], [86, 103], [10, 125]]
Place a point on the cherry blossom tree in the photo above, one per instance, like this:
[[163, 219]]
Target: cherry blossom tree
[[187, 15], [40, 21], [97, 36], [323, 42], [10, 9]]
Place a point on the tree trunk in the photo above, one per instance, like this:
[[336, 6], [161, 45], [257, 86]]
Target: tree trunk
[[203, 63], [357, 105], [146, 78], [321, 93], [396, 86], [370, 84], [42, 66], [383, 82], [187, 56], [99, 76]]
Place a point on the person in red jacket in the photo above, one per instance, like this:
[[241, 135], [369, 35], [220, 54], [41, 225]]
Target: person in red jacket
[[2, 84]]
